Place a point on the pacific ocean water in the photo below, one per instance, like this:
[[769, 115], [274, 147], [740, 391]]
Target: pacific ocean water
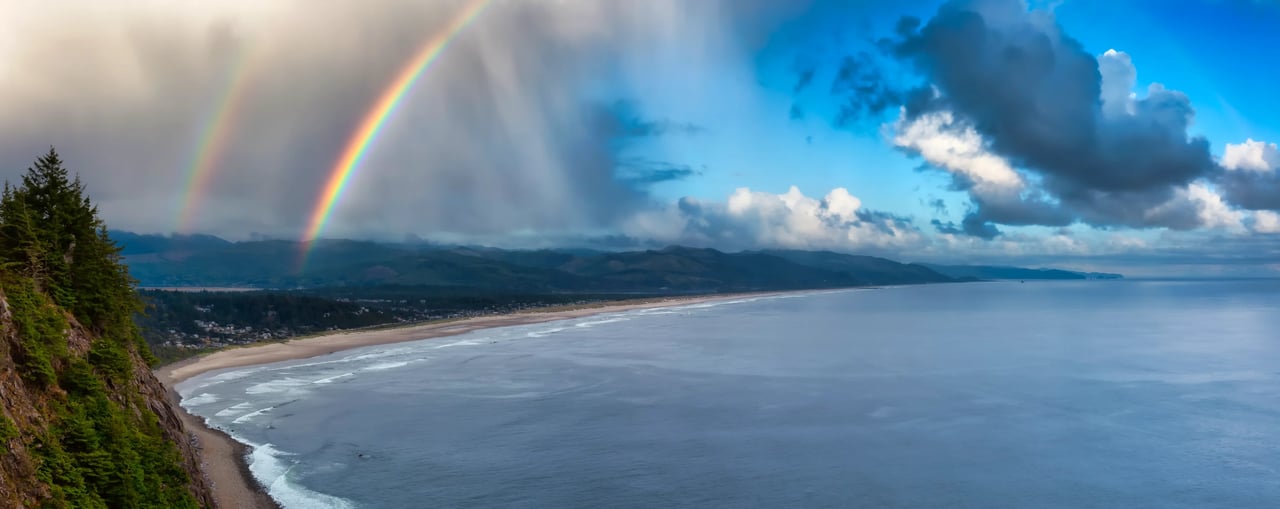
[[1125, 394]]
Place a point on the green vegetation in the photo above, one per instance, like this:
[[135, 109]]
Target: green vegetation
[[264, 312], [7, 429], [103, 446]]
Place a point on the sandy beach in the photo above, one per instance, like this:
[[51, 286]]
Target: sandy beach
[[223, 459]]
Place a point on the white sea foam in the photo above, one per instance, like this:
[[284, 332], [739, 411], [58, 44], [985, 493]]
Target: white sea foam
[[329, 380], [377, 355], [601, 322], [349, 358], [203, 381], [251, 415], [386, 365], [747, 300], [234, 375], [203, 399], [465, 342], [718, 303], [659, 311], [312, 364], [276, 386], [546, 332], [236, 409], [271, 467]]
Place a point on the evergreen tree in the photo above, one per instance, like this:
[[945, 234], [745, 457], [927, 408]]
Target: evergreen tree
[[104, 446], [49, 226], [19, 246]]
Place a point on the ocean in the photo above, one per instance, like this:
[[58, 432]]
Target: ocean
[[1125, 394]]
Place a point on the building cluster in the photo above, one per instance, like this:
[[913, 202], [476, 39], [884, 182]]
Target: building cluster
[[212, 334]]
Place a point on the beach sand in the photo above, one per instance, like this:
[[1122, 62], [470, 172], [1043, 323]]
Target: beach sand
[[223, 459]]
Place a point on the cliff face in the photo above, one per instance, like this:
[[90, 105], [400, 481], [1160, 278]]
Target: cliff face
[[85, 424], [47, 458]]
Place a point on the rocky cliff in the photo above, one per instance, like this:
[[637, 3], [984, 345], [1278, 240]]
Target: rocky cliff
[[84, 422], [34, 421]]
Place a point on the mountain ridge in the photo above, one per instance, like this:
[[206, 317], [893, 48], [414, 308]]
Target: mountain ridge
[[996, 272], [201, 260]]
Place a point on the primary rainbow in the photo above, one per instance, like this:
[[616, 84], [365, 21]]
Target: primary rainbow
[[372, 123], [211, 141]]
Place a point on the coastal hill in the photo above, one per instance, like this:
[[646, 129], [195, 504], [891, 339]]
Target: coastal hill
[[199, 261], [84, 421], [991, 272], [207, 261]]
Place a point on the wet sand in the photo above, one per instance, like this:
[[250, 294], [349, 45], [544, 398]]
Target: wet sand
[[224, 459]]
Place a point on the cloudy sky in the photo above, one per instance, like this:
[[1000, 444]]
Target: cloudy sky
[[1128, 136]]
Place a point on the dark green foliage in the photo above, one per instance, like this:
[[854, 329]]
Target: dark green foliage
[[260, 310], [167, 354], [104, 446], [111, 359], [39, 330], [7, 430], [79, 379]]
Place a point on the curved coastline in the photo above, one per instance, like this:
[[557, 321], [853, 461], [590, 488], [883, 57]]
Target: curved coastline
[[225, 460]]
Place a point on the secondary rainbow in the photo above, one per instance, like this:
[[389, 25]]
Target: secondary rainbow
[[212, 141], [367, 131]]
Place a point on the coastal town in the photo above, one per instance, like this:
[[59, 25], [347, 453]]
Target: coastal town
[[187, 323]]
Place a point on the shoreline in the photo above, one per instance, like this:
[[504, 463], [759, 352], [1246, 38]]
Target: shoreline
[[224, 460]]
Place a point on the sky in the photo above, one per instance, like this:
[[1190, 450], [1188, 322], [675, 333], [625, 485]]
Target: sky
[[1131, 136]]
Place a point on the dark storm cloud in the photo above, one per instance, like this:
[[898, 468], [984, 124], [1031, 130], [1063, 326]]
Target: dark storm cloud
[[1020, 210], [1255, 190], [971, 225], [882, 221], [645, 172], [1034, 93], [938, 206], [948, 227], [1036, 97], [862, 89]]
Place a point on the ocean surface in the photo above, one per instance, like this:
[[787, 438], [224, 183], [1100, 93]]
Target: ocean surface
[[1124, 394]]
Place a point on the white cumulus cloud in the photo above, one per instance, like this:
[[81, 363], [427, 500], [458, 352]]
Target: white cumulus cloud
[[1266, 221], [754, 219], [1197, 205], [1251, 155], [956, 148], [1118, 79]]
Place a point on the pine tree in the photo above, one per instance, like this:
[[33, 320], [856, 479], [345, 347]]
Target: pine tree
[[19, 245], [104, 446], [51, 230]]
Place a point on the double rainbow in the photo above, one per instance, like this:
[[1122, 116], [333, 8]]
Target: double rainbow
[[367, 131]]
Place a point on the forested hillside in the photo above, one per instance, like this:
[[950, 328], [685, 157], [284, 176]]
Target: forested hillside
[[194, 261], [85, 424]]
